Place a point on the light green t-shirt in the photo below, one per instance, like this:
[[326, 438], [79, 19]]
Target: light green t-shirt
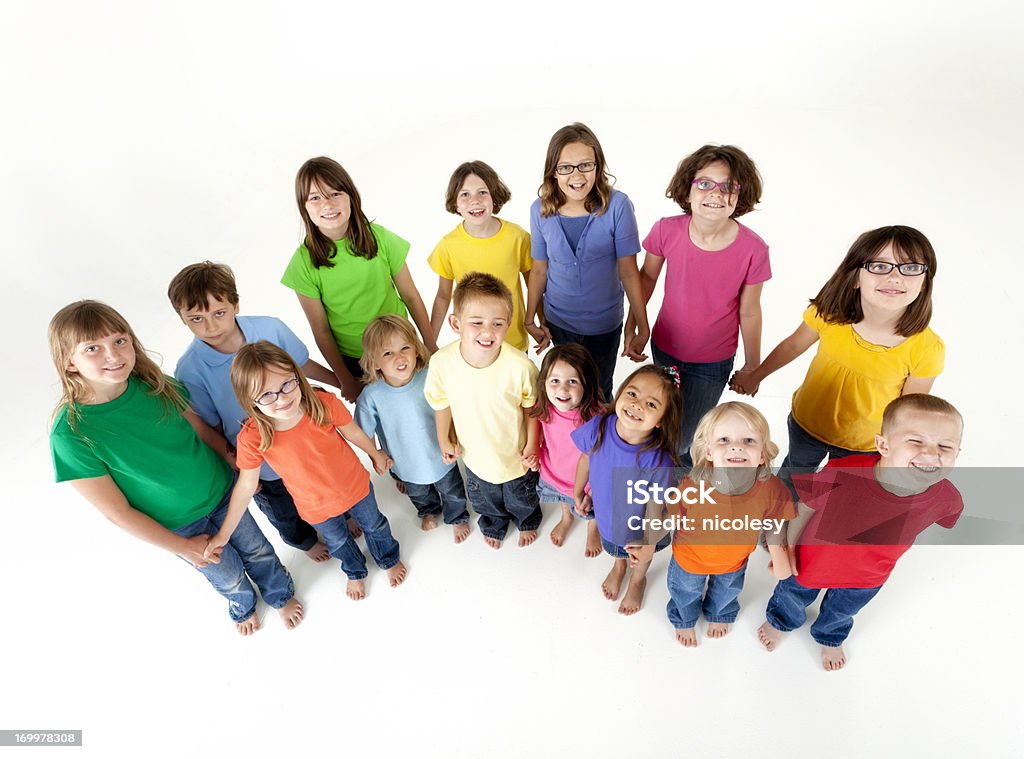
[[153, 455], [506, 256], [354, 291], [487, 407]]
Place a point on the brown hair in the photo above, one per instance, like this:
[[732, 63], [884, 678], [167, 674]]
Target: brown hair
[[500, 194], [248, 373], [918, 402], [476, 284], [665, 436], [838, 301], [742, 170], [551, 197], [87, 320], [193, 286], [706, 430], [579, 358], [326, 173], [379, 330]]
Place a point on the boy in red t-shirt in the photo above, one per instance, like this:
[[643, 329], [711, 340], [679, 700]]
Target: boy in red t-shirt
[[859, 515]]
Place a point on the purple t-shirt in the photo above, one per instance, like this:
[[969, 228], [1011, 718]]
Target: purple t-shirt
[[611, 467], [583, 292], [700, 316]]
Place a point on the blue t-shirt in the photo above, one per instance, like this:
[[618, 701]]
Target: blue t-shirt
[[612, 466], [573, 227], [206, 373], [583, 293], [403, 421]]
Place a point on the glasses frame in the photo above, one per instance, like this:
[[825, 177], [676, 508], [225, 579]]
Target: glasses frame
[[899, 267], [726, 188], [574, 167], [294, 382]]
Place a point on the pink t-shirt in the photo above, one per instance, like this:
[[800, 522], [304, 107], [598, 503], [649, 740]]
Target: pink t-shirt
[[700, 317], [558, 454]]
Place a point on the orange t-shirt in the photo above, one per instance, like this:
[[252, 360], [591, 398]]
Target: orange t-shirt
[[317, 465], [705, 550]]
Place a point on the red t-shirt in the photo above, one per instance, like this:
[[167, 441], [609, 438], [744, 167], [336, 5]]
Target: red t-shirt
[[859, 529]]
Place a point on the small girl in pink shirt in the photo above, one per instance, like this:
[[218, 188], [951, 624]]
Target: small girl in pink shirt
[[572, 395], [716, 267]]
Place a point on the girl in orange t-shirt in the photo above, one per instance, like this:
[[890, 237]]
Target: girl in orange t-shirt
[[305, 437]]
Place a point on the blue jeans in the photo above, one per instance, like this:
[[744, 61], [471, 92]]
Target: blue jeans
[[277, 505], [805, 453], [381, 543], [447, 496], [619, 552], [497, 505], [787, 610], [547, 493], [247, 555], [702, 386], [604, 349], [688, 599]]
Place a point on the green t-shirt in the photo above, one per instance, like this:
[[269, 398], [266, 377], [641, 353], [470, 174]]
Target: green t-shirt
[[153, 455], [354, 291]]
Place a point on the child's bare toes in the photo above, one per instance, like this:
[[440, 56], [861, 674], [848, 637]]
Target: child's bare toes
[[769, 636], [687, 637], [460, 532], [612, 585], [833, 658], [318, 552], [494, 543], [559, 532], [248, 626], [634, 597], [396, 575], [526, 538], [717, 629], [593, 541], [355, 589], [292, 613], [428, 523]]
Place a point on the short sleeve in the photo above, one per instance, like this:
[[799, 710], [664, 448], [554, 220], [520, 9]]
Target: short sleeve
[[433, 389], [780, 501], [538, 246], [291, 344], [200, 399], [73, 459], [813, 489], [440, 262], [760, 269], [956, 508], [654, 243], [529, 385], [813, 319], [247, 447], [932, 359], [366, 413], [392, 247], [299, 275], [585, 436], [627, 236], [340, 416], [523, 250]]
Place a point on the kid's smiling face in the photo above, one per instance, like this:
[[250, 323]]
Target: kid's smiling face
[[640, 405], [481, 326], [892, 291], [104, 364], [215, 324], [577, 185], [396, 360], [919, 449], [330, 210], [735, 443], [287, 406], [563, 386], [713, 204], [474, 202]]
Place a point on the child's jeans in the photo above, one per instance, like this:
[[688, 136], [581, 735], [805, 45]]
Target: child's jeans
[[687, 597], [277, 505], [247, 553], [619, 552], [604, 349], [379, 540], [805, 453], [702, 386], [787, 610], [497, 505], [550, 494], [446, 496]]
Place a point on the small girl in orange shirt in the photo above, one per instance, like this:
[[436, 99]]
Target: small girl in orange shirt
[[305, 437]]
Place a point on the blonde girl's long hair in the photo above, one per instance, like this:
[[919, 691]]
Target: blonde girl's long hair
[[87, 320], [706, 430], [248, 374]]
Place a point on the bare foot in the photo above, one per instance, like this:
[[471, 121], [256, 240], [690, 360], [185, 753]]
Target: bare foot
[[355, 589], [248, 626], [593, 540], [428, 523], [687, 637], [718, 629], [612, 585], [400, 486], [769, 636], [396, 575], [318, 552], [494, 543], [634, 597], [292, 613], [833, 658], [526, 538], [461, 532], [354, 529], [562, 528]]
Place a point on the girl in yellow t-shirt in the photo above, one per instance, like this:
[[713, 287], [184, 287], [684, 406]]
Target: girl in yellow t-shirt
[[871, 322]]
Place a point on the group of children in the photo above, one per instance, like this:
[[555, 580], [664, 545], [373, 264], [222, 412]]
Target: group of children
[[176, 461]]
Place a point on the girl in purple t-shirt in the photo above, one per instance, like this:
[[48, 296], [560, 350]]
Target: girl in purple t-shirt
[[632, 441], [716, 267], [572, 395]]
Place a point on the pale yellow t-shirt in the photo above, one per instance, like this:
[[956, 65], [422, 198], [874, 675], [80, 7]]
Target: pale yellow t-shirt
[[505, 255], [487, 407], [850, 381]]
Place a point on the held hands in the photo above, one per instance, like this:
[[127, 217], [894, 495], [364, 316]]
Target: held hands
[[449, 452], [381, 461], [791, 551], [634, 340], [639, 554], [541, 334], [742, 382], [780, 571], [529, 458], [195, 553], [584, 505], [350, 389]]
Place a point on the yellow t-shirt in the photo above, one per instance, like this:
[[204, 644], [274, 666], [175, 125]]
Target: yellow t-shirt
[[505, 255], [850, 381], [487, 407]]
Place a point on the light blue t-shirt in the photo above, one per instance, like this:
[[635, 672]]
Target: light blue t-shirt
[[207, 375], [404, 423], [583, 292]]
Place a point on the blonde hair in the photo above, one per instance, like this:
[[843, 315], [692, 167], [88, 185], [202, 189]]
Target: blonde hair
[[87, 320], [706, 429], [248, 373], [379, 330]]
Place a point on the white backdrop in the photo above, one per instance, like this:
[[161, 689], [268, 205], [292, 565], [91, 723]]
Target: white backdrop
[[140, 139]]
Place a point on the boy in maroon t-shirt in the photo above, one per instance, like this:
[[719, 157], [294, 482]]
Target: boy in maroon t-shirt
[[859, 514]]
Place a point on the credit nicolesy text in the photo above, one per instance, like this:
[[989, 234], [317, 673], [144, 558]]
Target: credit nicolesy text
[[708, 524], [643, 491]]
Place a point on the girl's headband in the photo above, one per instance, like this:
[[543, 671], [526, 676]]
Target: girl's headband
[[673, 373]]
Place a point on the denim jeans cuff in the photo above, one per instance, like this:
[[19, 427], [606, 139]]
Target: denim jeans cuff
[[494, 536], [306, 544], [394, 563], [283, 603], [463, 520], [686, 626], [361, 576], [829, 645], [726, 620], [779, 628]]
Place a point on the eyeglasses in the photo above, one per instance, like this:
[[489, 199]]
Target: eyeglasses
[[884, 267], [271, 396], [707, 185], [583, 168]]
